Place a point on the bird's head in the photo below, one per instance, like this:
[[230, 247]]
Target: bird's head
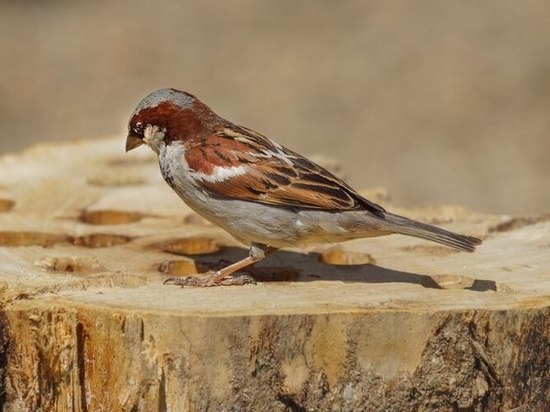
[[165, 116]]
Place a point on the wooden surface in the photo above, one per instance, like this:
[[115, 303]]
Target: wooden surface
[[88, 234]]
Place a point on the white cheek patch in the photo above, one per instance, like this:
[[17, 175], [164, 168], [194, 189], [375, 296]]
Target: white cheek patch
[[220, 174], [153, 136]]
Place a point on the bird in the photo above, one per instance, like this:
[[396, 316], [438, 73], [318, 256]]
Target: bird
[[265, 195]]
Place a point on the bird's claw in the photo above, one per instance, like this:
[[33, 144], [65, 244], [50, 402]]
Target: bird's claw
[[215, 279]]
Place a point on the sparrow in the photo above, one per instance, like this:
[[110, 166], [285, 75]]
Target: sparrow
[[265, 195]]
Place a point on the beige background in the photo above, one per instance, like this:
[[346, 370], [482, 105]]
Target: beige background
[[439, 101]]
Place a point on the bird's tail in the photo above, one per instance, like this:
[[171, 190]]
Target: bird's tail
[[405, 226]]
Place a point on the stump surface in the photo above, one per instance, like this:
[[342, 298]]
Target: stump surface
[[88, 234]]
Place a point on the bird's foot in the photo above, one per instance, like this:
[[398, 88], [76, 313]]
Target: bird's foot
[[210, 280]]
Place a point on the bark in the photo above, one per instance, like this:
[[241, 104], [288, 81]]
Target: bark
[[87, 236]]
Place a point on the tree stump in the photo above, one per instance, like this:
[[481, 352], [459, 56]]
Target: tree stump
[[88, 234]]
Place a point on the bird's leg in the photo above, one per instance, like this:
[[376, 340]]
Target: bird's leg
[[224, 277]]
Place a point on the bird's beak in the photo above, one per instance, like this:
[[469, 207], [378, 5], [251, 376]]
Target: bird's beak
[[133, 141]]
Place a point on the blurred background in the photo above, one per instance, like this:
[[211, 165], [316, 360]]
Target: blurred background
[[438, 101]]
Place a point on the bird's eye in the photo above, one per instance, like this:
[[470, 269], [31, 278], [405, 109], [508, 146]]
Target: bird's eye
[[138, 129]]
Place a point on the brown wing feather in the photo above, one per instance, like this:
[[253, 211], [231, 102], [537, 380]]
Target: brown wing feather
[[288, 180]]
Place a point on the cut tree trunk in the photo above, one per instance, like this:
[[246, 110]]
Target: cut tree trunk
[[88, 234]]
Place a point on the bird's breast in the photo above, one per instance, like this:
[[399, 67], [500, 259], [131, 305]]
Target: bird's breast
[[177, 173], [167, 174]]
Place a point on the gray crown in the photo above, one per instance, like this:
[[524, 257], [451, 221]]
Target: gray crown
[[178, 97]]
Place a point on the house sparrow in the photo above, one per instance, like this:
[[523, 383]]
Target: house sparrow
[[265, 195]]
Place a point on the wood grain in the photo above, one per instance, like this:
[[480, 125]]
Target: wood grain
[[88, 234]]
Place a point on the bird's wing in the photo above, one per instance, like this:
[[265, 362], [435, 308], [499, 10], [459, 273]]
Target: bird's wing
[[239, 163]]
